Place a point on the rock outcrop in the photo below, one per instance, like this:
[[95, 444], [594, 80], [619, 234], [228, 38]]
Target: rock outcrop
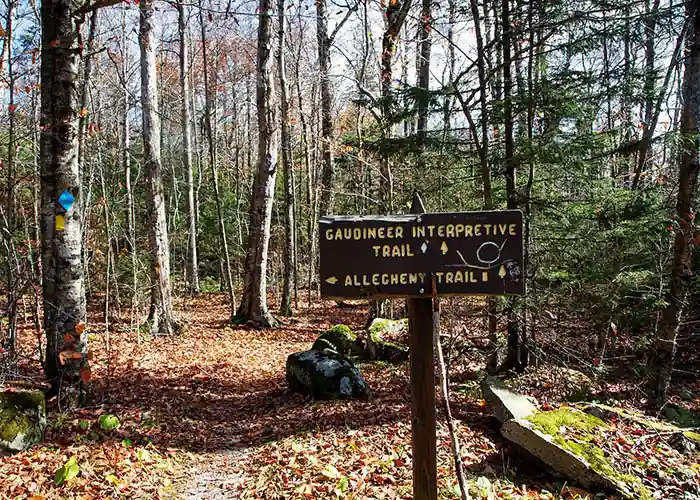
[[325, 374], [564, 439], [505, 403], [22, 418], [340, 339]]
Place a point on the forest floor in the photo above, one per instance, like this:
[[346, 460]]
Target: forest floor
[[208, 415]]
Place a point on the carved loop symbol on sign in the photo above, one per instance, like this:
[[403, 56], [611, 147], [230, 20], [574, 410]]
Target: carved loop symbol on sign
[[489, 244]]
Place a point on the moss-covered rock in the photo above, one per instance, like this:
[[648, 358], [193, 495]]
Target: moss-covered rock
[[573, 432], [380, 328], [384, 350], [340, 339], [22, 419], [391, 352], [325, 375]]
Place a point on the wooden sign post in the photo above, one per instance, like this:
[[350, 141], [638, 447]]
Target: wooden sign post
[[423, 419], [468, 253]]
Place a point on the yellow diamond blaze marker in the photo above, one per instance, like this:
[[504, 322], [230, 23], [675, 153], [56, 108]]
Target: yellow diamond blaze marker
[[502, 271], [332, 280], [60, 223]]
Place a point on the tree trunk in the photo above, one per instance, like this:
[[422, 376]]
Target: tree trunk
[[681, 273], [451, 61], [13, 270], [192, 263], [653, 111], [253, 306], [516, 357], [482, 147], [82, 122], [63, 292], [161, 320], [130, 215], [286, 304], [324, 62], [210, 124], [423, 78]]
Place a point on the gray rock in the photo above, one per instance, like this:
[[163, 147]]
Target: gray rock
[[383, 349], [381, 327], [505, 403], [391, 352], [22, 419], [577, 469], [325, 375]]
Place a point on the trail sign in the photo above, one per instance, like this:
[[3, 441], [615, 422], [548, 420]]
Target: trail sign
[[469, 253]]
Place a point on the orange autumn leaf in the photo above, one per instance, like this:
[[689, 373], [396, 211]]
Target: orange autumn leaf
[[83, 112], [80, 327], [77, 355], [68, 338], [65, 356], [85, 375]]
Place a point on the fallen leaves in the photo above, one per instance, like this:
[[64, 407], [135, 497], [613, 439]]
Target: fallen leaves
[[216, 399]]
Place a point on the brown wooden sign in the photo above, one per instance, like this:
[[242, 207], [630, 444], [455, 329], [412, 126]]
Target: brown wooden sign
[[470, 253]]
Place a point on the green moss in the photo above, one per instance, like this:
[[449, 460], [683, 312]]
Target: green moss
[[382, 325], [692, 435], [584, 446], [640, 418], [13, 424], [22, 415], [551, 421], [338, 339], [323, 344], [343, 329]]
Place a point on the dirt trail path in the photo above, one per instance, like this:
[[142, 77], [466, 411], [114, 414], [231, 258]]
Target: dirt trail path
[[216, 393]]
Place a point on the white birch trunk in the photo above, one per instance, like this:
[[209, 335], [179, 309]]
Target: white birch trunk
[[160, 319], [192, 263], [63, 291], [253, 306]]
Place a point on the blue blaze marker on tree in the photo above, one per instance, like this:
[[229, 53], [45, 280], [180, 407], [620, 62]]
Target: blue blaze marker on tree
[[66, 200]]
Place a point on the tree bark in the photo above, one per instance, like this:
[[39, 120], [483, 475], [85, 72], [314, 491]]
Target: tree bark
[[653, 111], [63, 291], [681, 272], [253, 308], [395, 16], [516, 357], [192, 262], [288, 257], [210, 124], [161, 320], [13, 270], [423, 79], [82, 122], [324, 62]]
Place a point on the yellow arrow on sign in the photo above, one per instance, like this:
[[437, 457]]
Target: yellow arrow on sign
[[443, 248], [332, 280]]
